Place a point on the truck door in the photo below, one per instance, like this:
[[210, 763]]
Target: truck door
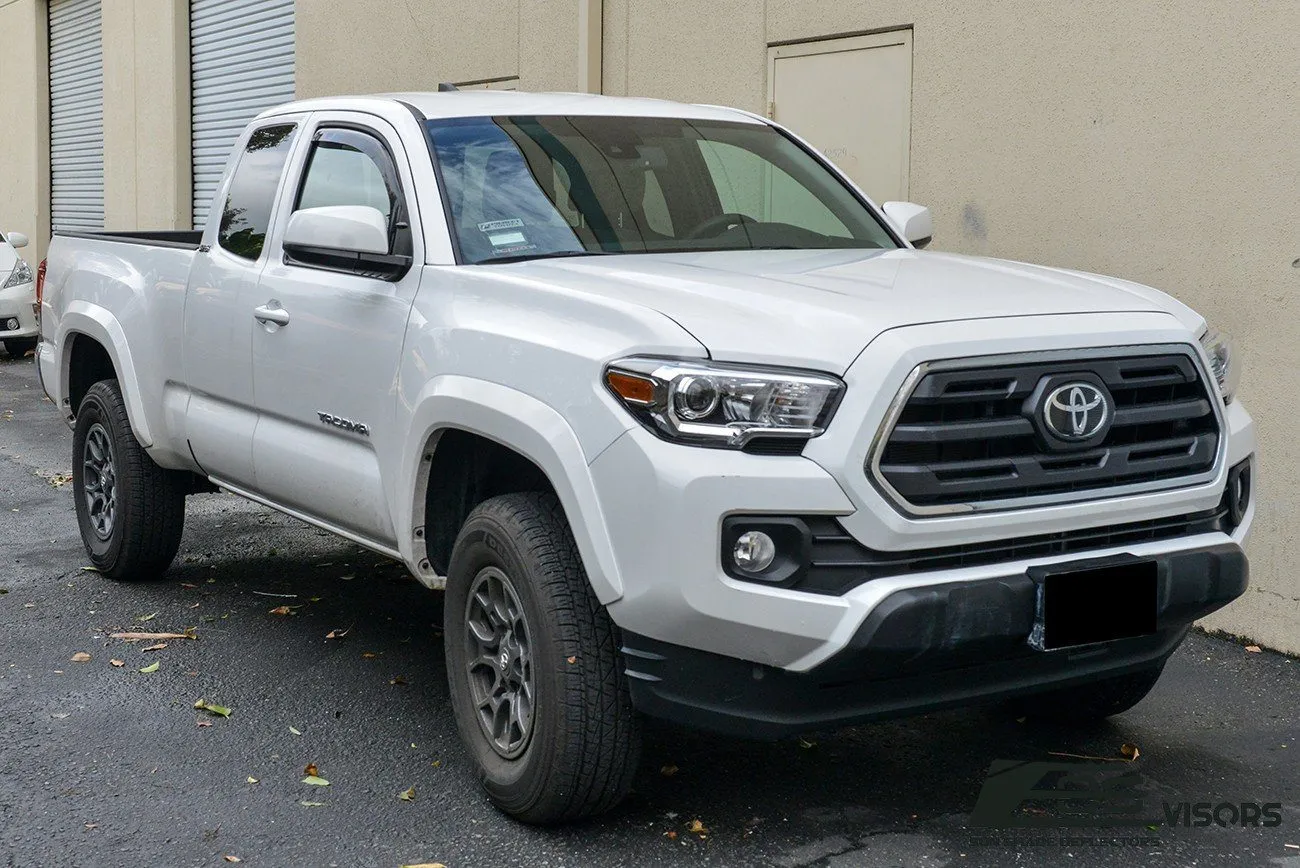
[[325, 370], [218, 365]]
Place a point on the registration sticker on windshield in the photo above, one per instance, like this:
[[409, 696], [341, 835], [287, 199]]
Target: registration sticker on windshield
[[501, 239], [498, 225]]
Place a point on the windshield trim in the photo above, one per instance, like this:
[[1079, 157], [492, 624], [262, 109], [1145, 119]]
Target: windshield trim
[[843, 180]]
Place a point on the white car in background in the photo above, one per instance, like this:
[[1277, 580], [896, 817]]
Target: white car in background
[[18, 326]]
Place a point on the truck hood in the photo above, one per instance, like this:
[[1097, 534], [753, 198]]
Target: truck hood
[[819, 308]]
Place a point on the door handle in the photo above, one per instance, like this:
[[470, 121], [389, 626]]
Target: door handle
[[271, 314]]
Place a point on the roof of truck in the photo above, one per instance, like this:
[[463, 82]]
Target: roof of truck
[[480, 103]]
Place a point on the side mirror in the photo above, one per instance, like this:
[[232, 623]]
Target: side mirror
[[16, 239], [337, 229], [912, 221]]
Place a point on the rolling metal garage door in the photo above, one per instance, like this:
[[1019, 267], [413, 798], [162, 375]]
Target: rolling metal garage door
[[76, 116], [241, 62]]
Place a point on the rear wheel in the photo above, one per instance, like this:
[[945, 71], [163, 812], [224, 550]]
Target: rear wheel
[[532, 661], [130, 510], [20, 347], [1090, 702]]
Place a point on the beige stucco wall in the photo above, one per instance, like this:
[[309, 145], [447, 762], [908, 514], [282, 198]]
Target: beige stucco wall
[[1157, 141], [146, 114], [25, 128], [375, 46]]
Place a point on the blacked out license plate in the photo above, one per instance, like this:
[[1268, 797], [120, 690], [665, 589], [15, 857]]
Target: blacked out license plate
[[1084, 604]]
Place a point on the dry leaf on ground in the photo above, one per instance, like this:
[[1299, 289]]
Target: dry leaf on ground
[[1129, 751], [212, 708], [1254, 649], [136, 637], [311, 770], [282, 610], [157, 646], [407, 795], [668, 771], [81, 657], [118, 663], [698, 828]]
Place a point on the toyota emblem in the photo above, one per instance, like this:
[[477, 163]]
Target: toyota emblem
[[1076, 411]]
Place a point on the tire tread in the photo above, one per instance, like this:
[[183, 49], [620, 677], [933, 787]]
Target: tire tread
[[153, 516]]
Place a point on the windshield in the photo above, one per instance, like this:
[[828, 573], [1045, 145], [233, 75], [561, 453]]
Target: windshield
[[530, 187]]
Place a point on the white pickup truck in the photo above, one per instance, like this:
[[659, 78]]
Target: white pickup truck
[[683, 423]]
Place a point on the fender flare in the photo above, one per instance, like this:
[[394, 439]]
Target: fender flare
[[527, 426], [93, 321]]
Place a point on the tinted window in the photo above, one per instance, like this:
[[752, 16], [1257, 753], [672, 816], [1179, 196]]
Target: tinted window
[[247, 215], [347, 167], [518, 187]]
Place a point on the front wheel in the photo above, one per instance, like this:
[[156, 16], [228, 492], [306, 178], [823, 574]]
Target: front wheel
[[131, 511], [1090, 702], [532, 661]]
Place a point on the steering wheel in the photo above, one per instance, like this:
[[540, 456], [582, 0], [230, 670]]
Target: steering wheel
[[718, 224]]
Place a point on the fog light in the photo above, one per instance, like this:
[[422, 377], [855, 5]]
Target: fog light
[[754, 551], [11, 324]]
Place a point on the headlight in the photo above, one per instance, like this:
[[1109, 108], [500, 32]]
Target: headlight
[[1225, 362], [22, 273], [724, 406]]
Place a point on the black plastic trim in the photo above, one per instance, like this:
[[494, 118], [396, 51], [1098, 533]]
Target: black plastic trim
[[380, 266], [922, 649], [837, 563], [178, 239]]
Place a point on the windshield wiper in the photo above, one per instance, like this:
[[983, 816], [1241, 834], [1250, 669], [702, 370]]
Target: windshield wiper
[[553, 254]]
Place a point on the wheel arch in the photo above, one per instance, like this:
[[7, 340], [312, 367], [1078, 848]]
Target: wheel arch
[[88, 335], [454, 411]]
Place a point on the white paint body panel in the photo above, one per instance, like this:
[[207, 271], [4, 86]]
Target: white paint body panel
[[515, 353]]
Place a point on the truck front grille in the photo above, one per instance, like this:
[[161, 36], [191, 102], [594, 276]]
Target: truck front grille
[[976, 437]]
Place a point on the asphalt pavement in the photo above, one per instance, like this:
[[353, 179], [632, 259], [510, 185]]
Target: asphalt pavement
[[108, 765]]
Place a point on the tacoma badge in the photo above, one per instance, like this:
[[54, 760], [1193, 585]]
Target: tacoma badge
[[346, 424]]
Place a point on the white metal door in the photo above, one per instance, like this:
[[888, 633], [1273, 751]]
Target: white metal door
[[852, 99], [241, 62], [76, 116]]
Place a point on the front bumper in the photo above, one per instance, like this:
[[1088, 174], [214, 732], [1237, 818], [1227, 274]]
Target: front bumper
[[664, 506], [922, 649], [17, 303]]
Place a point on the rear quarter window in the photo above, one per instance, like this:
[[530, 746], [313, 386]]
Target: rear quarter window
[[247, 212]]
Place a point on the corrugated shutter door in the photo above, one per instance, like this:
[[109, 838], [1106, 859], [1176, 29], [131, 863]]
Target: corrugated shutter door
[[241, 62], [76, 116]]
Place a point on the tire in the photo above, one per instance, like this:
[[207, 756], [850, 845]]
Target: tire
[[19, 348], [1089, 702], [577, 753], [131, 511]]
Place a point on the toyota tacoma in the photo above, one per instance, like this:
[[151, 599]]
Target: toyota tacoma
[[683, 423]]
